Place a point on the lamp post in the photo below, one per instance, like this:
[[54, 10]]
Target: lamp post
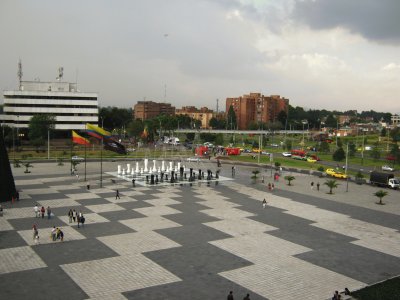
[[304, 122], [347, 161]]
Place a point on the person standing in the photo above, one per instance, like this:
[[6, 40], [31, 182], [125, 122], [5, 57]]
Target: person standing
[[230, 296], [36, 209], [35, 234], [264, 203], [317, 186], [70, 215], [48, 212], [83, 220], [247, 297], [117, 195], [42, 211], [54, 233], [312, 185]]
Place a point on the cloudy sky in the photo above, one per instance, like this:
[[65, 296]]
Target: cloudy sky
[[332, 54]]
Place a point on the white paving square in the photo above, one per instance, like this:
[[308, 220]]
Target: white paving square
[[149, 223], [157, 211], [99, 208]]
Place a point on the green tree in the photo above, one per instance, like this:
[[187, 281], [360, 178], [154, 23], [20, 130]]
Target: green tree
[[39, 125], [375, 153], [339, 154], [282, 117], [331, 184], [383, 132], [352, 149], [27, 165], [219, 139], [254, 176], [324, 147], [190, 136], [112, 117], [231, 118], [289, 179], [331, 121], [395, 134], [380, 194], [135, 128], [288, 145]]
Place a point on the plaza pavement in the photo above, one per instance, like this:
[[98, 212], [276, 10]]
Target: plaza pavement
[[197, 242]]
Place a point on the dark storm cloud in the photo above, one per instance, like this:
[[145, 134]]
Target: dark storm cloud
[[376, 20]]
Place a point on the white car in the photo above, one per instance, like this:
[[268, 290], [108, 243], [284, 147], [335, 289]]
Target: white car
[[387, 168], [287, 154], [77, 158], [195, 159]]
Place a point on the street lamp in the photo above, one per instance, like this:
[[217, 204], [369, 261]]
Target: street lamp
[[304, 122]]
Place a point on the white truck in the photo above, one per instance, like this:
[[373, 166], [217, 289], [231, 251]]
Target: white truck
[[384, 179]]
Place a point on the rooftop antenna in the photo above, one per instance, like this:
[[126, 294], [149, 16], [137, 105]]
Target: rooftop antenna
[[165, 93], [19, 73], [60, 73], [217, 105]]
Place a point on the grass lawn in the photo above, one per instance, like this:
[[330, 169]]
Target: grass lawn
[[389, 289]]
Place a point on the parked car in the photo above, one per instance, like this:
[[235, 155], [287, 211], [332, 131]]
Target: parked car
[[77, 158], [311, 160], [387, 168], [287, 154]]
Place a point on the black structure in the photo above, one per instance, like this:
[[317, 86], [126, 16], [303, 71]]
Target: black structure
[[7, 184]]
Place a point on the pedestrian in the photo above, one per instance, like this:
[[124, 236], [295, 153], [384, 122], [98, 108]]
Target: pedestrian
[[262, 179], [48, 212], [247, 297], [54, 233], [35, 234], [133, 182], [336, 296], [17, 196], [312, 185], [117, 195], [83, 220], [269, 187], [74, 215], [36, 210], [264, 203], [317, 186], [230, 296], [233, 171], [78, 219], [347, 291], [70, 215], [272, 186], [77, 177], [88, 185], [42, 211], [61, 235]]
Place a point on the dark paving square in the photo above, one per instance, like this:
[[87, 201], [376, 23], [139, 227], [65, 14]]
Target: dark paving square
[[52, 196], [145, 197], [134, 204], [27, 223], [40, 284], [103, 229], [93, 201], [121, 215], [60, 253], [11, 239]]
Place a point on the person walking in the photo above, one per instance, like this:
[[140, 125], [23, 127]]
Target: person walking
[[247, 297], [35, 234], [312, 185], [70, 215], [230, 296], [42, 211], [36, 210], [74, 215], [83, 221], [264, 203], [117, 195], [48, 212], [317, 186]]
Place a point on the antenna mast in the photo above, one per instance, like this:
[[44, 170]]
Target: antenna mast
[[19, 73], [217, 105]]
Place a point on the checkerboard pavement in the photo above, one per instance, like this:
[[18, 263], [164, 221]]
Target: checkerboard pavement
[[197, 241]]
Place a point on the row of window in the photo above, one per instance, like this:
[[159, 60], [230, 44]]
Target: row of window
[[49, 105], [48, 97], [59, 113]]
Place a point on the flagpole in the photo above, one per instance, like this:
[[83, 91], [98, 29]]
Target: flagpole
[[101, 163], [70, 151], [85, 153]]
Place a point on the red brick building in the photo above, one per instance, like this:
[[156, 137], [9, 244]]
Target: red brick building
[[256, 107], [203, 114], [148, 109]]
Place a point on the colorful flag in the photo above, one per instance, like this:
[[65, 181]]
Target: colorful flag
[[110, 144], [97, 131], [77, 139], [145, 133]]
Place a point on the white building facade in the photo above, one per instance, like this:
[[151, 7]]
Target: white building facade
[[71, 108]]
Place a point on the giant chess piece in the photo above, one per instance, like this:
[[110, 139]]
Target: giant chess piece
[[7, 184]]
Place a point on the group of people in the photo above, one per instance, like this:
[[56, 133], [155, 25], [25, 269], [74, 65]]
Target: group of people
[[230, 296], [40, 212], [57, 234], [74, 216], [337, 296], [312, 185]]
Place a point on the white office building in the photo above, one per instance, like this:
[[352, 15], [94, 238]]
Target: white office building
[[72, 108]]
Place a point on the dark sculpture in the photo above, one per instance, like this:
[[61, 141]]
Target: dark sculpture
[[7, 184]]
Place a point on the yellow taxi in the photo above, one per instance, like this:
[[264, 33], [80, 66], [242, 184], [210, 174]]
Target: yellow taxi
[[336, 174], [256, 150], [311, 160]]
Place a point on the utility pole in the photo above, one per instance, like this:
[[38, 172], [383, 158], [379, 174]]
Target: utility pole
[[347, 161]]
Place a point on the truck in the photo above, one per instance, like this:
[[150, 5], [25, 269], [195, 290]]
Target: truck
[[384, 179]]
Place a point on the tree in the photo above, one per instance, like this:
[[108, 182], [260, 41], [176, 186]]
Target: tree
[[39, 125], [339, 155], [255, 173], [331, 121], [375, 153], [219, 139], [190, 136], [324, 147], [112, 117], [231, 118], [289, 179], [27, 165], [331, 184], [282, 117], [135, 128], [352, 149], [380, 194], [395, 134], [383, 132]]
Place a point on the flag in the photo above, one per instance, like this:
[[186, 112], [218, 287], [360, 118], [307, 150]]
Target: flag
[[77, 139], [145, 133], [111, 145], [97, 131]]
